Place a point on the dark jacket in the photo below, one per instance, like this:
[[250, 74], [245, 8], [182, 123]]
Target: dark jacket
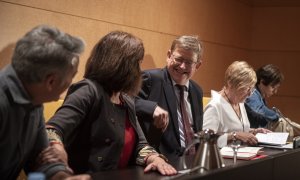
[[158, 90], [22, 130], [93, 128]]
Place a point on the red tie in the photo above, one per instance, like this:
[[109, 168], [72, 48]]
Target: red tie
[[185, 121]]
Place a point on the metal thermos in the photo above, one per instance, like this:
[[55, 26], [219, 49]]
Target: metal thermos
[[208, 155]]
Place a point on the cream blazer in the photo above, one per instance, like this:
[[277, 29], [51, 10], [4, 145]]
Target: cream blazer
[[220, 117]]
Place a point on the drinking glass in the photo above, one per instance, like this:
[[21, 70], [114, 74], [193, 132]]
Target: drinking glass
[[235, 145]]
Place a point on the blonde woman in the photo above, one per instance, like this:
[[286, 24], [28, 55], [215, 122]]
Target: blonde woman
[[226, 112]]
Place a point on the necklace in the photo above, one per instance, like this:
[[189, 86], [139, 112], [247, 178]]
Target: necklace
[[239, 117]]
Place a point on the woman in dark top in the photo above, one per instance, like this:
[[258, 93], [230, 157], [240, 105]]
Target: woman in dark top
[[96, 124]]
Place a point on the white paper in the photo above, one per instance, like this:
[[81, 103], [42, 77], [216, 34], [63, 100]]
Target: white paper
[[285, 146], [242, 153], [274, 138]]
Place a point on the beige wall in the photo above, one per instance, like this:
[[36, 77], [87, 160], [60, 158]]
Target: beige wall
[[275, 39], [230, 30]]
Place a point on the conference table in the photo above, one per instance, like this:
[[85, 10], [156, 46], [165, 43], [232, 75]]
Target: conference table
[[277, 164]]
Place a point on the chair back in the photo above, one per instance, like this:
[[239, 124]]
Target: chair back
[[50, 108]]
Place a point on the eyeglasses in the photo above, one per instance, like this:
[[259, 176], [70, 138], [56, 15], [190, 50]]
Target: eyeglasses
[[248, 90], [180, 60]]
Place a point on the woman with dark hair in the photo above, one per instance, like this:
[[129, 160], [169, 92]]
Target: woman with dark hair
[[269, 79], [96, 124]]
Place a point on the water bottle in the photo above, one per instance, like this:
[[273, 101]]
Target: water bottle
[[36, 176]]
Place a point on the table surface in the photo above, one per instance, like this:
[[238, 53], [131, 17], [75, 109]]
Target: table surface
[[263, 165]]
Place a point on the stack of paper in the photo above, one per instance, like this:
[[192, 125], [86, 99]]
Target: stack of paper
[[245, 153], [274, 138]]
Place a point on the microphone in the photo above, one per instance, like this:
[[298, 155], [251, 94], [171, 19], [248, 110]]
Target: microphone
[[276, 109], [294, 126], [279, 113], [283, 117]]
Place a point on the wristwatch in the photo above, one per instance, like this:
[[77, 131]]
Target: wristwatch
[[233, 136]]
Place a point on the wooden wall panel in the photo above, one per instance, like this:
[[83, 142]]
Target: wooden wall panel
[[275, 40], [288, 105], [156, 22], [215, 20], [276, 29], [216, 59], [230, 30], [289, 64], [90, 30]]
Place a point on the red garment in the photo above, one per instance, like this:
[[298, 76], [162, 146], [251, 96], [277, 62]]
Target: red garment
[[129, 144]]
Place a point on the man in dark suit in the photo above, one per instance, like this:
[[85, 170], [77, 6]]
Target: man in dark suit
[[158, 105]]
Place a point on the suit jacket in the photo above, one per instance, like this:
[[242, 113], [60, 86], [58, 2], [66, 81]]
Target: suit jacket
[[158, 90], [93, 128]]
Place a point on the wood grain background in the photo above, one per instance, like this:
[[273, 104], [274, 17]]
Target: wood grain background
[[230, 30]]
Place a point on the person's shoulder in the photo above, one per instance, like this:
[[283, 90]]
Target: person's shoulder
[[8, 77], [154, 71], [87, 86], [87, 82], [5, 103], [254, 97], [11, 88], [216, 99], [154, 74], [4, 98], [214, 105], [195, 85], [80, 84], [255, 93]]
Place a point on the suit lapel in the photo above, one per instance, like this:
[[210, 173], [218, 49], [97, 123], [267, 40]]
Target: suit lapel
[[196, 108], [130, 103], [171, 102]]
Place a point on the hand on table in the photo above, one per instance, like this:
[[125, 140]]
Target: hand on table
[[156, 163], [52, 154], [247, 137]]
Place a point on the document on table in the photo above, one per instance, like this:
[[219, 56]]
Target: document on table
[[245, 153], [284, 146], [274, 138]]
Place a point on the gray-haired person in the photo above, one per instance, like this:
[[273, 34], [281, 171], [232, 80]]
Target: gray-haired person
[[43, 65]]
